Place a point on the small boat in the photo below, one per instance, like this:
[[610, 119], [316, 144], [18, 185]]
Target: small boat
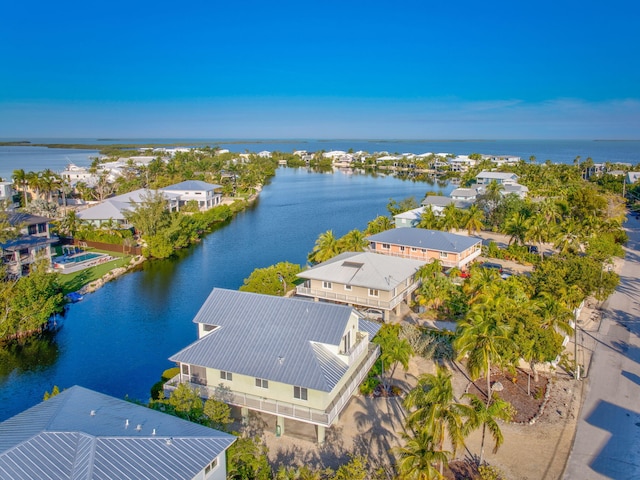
[[74, 297]]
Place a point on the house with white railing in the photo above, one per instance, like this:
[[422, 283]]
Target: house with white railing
[[291, 358], [450, 249], [363, 280]]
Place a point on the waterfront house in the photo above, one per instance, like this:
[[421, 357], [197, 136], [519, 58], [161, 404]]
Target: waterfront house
[[502, 159], [427, 245], [464, 194], [33, 243], [113, 209], [502, 178], [83, 434], [295, 359], [363, 280], [632, 177], [203, 193]]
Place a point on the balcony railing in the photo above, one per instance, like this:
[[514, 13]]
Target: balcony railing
[[355, 300], [420, 256], [286, 409]]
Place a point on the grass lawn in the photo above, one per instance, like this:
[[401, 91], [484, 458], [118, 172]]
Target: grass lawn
[[74, 281]]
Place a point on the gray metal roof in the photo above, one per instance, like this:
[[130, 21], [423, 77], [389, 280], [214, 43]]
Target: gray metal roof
[[192, 185], [269, 337], [497, 175], [20, 218], [442, 201], [368, 326], [61, 439], [106, 210], [364, 269], [423, 238]]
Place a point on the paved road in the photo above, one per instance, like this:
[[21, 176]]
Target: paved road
[[607, 442]]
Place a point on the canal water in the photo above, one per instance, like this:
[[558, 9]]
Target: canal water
[[118, 340]]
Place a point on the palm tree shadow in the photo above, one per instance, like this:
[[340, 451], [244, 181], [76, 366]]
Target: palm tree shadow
[[380, 424]]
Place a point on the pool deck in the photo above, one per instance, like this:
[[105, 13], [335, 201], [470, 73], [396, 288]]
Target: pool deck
[[84, 265]]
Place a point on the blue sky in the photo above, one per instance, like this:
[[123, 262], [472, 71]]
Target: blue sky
[[330, 69]]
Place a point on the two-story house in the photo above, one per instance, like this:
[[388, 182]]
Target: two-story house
[[203, 193], [33, 243], [363, 280], [427, 245], [83, 434], [503, 178], [295, 359]]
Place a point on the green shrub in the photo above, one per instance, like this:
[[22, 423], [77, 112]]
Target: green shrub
[[169, 373]]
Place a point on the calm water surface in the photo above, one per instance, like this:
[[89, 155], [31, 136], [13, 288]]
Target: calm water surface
[[117, 340]]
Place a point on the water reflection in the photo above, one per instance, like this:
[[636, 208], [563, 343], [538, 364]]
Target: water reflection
[[28, 355]]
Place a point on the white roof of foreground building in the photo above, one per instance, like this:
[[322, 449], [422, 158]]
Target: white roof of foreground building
[[364, 269], [275, 338], [81, 434], [423, 238]]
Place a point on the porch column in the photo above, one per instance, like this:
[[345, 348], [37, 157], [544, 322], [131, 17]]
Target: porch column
[[386, 315], [320, 431], [244, 412], [279, 426]]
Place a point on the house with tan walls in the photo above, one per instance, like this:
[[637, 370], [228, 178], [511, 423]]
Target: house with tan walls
[[291, 358], [427, 245], [363, 280]]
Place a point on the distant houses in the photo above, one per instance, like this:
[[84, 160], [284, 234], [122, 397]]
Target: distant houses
[[83, 434], [295, 359], [204, 195]]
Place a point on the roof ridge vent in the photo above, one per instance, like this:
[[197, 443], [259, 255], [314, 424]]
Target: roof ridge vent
[[92, 413], [138, 427]]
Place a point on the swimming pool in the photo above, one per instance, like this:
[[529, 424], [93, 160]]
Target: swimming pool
[[82, 257], [80, 261]]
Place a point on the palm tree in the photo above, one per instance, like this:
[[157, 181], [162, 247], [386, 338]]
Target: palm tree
[[33, 180], [326, 247], [481, 337], [20, 177], [473, 220], [539, 231], [433, 408], [354, 241], [428, 219], [516, 227], [568, 237], [485, 415], [450, 218], [417, 459], [378, 225], [393, 351]]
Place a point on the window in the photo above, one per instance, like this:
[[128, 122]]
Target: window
[[210, 467], [414, 249], [386, 246], [262, 383], [300, 393], [401, 248], [326, 285], [347, 287], [443, 255], [226, 375], [373, 292]]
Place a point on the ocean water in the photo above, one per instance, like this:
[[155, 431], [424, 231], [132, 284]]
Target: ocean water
[[557, 151]]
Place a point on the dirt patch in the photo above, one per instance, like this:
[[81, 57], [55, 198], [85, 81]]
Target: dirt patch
[[520, 389]]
